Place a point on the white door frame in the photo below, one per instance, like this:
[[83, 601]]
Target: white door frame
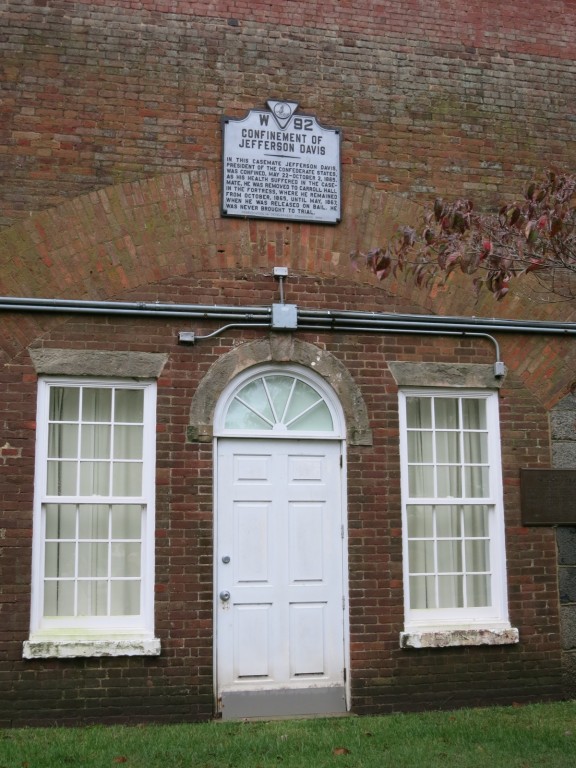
[[338, 435]]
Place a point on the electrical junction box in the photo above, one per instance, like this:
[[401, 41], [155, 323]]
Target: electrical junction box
[[284, 317]]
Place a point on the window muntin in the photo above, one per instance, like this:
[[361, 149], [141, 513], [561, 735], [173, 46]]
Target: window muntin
[[278, 403], [94, 507], [452, 511]]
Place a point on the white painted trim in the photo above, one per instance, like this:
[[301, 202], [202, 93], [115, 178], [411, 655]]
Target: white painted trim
[[422, 622], [49, 632]]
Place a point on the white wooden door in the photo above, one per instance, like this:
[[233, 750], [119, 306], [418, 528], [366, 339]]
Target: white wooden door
[[279, 577]]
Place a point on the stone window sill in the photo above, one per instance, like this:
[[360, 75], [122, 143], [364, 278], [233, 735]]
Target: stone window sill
[[72, 649], [446, 638]]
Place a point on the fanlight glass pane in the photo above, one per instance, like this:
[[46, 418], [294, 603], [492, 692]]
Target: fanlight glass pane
[[282, 401], [239, 416], [318, 418], [280, 388]]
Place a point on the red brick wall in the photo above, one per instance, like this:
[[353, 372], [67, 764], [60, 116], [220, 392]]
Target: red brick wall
[[432, 98], [178, 684], [110, 150]]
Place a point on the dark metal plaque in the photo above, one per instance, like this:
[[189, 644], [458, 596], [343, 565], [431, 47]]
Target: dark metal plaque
[[548, 496]]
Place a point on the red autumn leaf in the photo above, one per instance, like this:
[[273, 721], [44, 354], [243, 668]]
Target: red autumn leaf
[[340, 751], [120, 759]]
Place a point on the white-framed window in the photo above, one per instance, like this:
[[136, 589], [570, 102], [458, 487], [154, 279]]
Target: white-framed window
[[452, 512], [93, 540]]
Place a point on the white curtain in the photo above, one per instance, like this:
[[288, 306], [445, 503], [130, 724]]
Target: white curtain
[[448, 536], [93, 551]]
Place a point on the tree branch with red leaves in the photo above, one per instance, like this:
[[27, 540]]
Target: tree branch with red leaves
[[536, 235]]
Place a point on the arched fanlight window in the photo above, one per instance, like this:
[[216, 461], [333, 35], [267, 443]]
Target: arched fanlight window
[[277, 402]]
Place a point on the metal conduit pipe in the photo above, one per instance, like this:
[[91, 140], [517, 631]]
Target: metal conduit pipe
[[310, 320], [499, 370], [482, 323], [324, 318], [212, 312]]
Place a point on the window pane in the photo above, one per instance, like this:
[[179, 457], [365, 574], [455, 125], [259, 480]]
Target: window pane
[[128, 442], [96, 404], [126, 521], [450, 592], [478, 591], [473, 413], [475, 447], [477, 555], [421, 481], [94, 478], [241, 417], [476, 520], [318, 418], [60, 559], [446, 413], [63, 441], [58, 598], [477, 481], [95, 442], [93, 521], [420, 447], [449, 556], [254, 395], [448, 521], [421, 556], [419, 412], [127, 479], [420, 521], [125, 559], [125, 598], [448, 447], [93, 559], [129, 405], [64, 403], [303, 396], [449, 482], [61, 479], [60, 521], [279, 388], [422, 592], [92, 598]]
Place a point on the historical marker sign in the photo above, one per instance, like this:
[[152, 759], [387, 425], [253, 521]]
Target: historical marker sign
[[281, 165]]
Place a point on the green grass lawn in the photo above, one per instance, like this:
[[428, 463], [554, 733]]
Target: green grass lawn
[[535, 736]]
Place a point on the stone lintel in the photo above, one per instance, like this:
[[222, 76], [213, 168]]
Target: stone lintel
[[80, 362], [464, 375]]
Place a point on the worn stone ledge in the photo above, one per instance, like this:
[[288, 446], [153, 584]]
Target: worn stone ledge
[[78, 362], [459, 637], [465, 375], [72, 649]]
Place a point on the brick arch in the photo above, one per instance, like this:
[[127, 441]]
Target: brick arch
[[279, 349], [119, 241]]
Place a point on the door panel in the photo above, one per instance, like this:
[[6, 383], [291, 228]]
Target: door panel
[[280, 559]]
